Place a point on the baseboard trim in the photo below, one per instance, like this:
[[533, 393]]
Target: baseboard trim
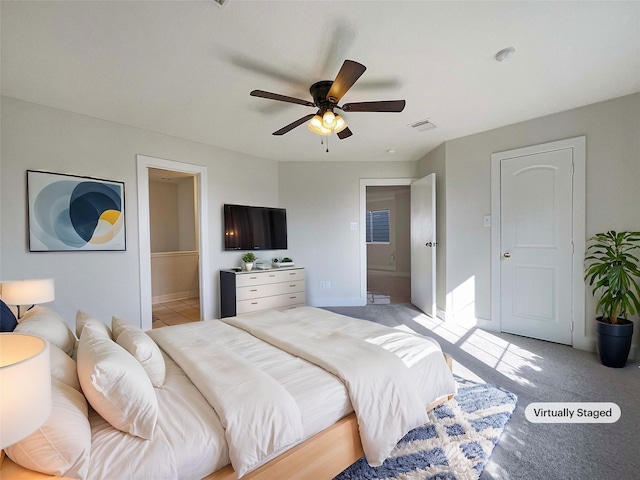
[[169, 297], [337, 302], [381, 269]]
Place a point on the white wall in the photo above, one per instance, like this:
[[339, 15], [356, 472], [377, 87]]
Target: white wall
[[322, 200], [186, 200], [163, 217], [108, 283], [612, 131]]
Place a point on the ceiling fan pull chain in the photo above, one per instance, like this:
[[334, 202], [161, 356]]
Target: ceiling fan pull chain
[[327, 144]]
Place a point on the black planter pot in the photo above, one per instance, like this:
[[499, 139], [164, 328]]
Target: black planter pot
[[614, 341]]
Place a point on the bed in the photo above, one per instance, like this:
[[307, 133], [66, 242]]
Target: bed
[[299, 393]]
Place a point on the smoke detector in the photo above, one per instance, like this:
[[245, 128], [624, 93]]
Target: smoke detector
[[505, 54]]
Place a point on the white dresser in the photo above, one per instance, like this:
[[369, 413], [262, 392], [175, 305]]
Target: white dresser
[[245, 292]]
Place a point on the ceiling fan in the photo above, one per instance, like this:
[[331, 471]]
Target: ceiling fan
[[326, 95]]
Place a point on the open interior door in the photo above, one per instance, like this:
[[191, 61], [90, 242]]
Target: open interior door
[[423, 244]]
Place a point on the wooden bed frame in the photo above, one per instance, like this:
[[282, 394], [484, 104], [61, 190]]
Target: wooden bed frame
[[322, 456]]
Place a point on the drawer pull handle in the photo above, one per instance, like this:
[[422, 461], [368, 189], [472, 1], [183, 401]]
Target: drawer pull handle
[[254, 290], [253, 278], [293, 286], [292, 298], [292, 273], [254, 303]]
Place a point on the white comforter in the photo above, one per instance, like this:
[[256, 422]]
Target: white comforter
[[386, 401], [256, 430]]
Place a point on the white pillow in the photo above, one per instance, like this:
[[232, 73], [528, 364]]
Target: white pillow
[[61, 447], [82, 318], [43, 322], [143, 349], [115, 384], [63, 368]]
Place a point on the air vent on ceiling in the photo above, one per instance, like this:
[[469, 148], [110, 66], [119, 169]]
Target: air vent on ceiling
[[423, 125]]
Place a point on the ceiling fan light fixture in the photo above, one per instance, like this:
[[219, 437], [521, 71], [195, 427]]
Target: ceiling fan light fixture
[[329, 120], [340, 124], [316, 126]]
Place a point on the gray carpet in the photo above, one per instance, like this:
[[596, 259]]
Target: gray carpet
[[538, 371]]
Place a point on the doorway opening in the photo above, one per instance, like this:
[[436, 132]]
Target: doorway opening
[[388, 244], [192, 249], [380, 279], [175, 275]]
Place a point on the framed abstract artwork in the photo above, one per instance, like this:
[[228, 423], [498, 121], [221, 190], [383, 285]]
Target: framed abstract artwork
[[73, 213]]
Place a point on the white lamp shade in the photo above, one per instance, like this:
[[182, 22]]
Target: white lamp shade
[[25, 386], [28, 292]]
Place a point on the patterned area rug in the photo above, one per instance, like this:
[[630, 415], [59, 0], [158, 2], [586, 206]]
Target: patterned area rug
[[455, 445]]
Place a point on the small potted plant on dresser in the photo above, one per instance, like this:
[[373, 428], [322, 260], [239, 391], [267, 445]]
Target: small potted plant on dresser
[[248, 259], [612, 271]]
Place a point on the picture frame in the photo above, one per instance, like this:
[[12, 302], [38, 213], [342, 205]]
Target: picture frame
[[75, 213]]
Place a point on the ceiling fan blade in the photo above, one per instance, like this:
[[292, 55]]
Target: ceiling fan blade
[[347, 76], [344, 133], [295, 124], [281, 98], [381, 106]]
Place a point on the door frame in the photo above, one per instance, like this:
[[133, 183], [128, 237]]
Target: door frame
[[364, 183], [578, 145], [144, 235]]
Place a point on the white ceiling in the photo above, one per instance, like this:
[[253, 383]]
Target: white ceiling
[[186, 68]]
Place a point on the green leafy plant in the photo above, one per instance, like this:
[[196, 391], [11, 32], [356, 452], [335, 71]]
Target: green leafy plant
[[249, 257], [610, 269], [287, 259]]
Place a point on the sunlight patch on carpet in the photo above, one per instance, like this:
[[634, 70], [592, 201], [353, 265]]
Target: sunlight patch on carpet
[[454, 445]]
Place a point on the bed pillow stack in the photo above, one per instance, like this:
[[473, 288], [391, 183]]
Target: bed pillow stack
[[115, 383], [43, 322], [143, 349]]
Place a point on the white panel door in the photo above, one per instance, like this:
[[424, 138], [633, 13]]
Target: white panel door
[[423, 244], [536, 242]]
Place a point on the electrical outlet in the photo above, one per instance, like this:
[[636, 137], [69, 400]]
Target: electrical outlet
[[486, 220], [323, 285]]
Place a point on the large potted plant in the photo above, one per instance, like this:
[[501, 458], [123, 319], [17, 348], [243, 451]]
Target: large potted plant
[[612, 271]]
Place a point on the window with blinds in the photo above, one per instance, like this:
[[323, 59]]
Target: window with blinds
[[377, 226]]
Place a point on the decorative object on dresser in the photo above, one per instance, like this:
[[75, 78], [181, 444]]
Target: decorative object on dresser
[[282, 262], [245, 292], [248, 259], [28, 292]]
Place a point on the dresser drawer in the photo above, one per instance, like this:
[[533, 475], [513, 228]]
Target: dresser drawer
[[292, 286], [292, 299], [258, 278], [257, 291], [253, 305], [288, 275]]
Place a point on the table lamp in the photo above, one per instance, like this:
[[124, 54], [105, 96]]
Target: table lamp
[[28, 292], [25, 386]]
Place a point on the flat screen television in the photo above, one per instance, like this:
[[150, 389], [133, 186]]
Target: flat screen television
[[254, 228]]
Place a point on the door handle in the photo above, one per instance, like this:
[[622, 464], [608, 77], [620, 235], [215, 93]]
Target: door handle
[[431, 244], [506, 255]]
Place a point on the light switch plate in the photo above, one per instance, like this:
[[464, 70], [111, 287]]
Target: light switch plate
[[353, 226]]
